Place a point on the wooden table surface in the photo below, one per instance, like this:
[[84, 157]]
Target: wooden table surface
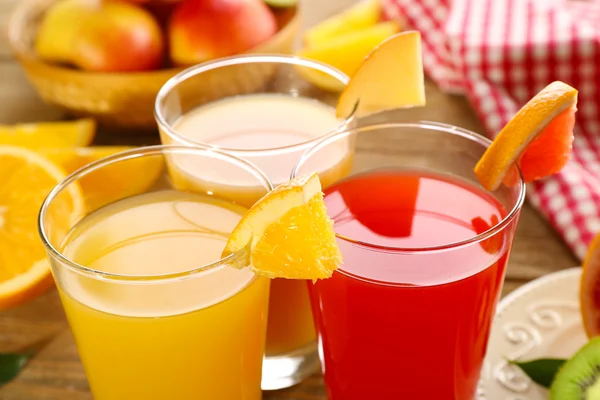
[[56, 373]]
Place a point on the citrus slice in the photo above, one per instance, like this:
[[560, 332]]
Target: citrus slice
[[26, 179], [289, 233], [358, 17], [112, 182], [391, 76], [49, 134], [345, 52], [538, 138], [589, 292]]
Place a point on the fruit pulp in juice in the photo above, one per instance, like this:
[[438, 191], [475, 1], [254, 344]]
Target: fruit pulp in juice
[[199, 336], [405, 325], [260, 122]]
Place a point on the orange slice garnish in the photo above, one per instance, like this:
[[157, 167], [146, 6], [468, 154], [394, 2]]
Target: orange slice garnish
[[289, 233], [589, 292], [538, 138], [26, 179]]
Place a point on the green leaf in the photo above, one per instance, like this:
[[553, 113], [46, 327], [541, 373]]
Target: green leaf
[[542, 370], [10, 366]]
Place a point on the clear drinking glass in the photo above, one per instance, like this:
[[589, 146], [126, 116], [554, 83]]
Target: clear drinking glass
[[155, 311], [267, 109], [425, 249]]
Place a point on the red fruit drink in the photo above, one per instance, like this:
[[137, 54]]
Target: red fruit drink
[[408, 314]]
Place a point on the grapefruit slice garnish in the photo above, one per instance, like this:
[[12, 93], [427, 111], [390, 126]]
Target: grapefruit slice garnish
[[589, 292], [538, 138], [289, 233], [391, 76]]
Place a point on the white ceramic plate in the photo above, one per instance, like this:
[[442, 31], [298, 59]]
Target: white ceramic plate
[[540, 319]]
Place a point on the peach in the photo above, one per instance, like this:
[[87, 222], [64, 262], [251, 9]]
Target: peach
[[200, 30], [119, 37]]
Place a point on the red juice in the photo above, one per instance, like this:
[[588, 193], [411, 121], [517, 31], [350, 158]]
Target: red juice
[[408, 316]]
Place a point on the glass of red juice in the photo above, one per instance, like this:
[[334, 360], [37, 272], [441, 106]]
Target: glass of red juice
[[425, 247]]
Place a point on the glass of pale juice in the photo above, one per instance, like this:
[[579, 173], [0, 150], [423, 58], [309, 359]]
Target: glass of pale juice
[[425, 248], [267, 110], [155, 310]]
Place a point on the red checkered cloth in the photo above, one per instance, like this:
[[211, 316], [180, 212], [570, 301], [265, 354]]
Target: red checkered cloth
[[500, 53]]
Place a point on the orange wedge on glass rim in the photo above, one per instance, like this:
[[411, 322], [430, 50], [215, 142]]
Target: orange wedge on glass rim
[[589, 290], [25, 179], [538, 139], [289, 233]]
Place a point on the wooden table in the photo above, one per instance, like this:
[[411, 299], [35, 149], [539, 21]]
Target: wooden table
[[56, 373]]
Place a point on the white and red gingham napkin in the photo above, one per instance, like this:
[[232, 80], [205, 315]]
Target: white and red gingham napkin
[[500, 53]]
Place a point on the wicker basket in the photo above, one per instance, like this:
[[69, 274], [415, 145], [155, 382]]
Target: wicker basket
[[114, 99]]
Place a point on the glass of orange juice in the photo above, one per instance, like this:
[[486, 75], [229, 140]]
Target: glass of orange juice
[[155, 311], [267, 109]]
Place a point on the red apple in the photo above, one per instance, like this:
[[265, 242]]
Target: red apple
[[119, 37], [200, 30]]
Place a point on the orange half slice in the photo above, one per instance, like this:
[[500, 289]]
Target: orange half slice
[[589, 292]]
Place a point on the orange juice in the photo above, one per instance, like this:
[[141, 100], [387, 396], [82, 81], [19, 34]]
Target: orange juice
[[272, 131], [196, 335]]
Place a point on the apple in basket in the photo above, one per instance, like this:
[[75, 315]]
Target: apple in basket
[[132, 35], [200, 30], [101, 36]]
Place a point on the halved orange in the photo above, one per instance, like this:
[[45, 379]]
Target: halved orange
[[391, 76], [109, 183], [289, 233], [25, 179], [538, 138], [41, 135], [589, 292]]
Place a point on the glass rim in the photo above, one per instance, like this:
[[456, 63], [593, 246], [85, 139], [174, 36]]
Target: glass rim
[[256, 58], [232, 259], [430, 125]]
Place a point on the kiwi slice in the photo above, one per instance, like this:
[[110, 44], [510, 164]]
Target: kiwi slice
[[579, 377], [281, 3]]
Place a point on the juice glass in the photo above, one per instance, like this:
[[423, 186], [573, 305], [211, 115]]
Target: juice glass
[[425, 247], [267, 110], [155, 311]]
